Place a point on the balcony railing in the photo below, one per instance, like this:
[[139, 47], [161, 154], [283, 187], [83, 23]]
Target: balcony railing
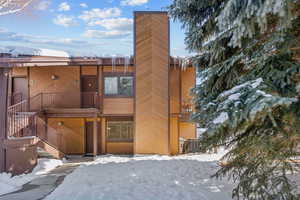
[[70, 100], [44, 101], [187, 106], [23, 115]]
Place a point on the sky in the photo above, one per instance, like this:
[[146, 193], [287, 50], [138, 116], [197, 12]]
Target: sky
[[83, 27]]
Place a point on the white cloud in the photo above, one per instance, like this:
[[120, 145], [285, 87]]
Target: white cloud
[[106, 34], [43, 5], [124, 24], [76, 47], [83, 5], [6, 35], [64, 20], [64, 7], [133, 2], [98, 13]]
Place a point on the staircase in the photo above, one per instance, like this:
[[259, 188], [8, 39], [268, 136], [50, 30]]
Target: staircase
[[22, 123]]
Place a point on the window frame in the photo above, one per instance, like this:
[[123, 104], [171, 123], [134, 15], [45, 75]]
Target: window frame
[[118, 75], [120, 140]]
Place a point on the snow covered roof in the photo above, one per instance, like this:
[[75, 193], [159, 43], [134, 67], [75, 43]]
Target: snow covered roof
[[28, 51]]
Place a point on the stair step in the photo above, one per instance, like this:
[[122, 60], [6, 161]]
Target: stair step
[[44, 154]]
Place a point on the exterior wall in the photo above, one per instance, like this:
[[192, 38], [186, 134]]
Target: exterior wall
[[188, 81], [174, 132], [89, 70], [187, 130], [119, 148], [175, 90], [152, 84], [68, 82], [115, 105], [19, 72], [16, 72], [118, 69], [118, 106], [68, 137], [21, 155]]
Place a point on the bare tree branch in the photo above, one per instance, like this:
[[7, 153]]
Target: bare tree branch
[[13, 6]]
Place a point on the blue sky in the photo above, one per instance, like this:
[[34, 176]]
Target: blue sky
[[82, 27]]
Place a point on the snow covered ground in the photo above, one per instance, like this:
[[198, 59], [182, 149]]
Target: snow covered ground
[[10, 184], [145, 178]]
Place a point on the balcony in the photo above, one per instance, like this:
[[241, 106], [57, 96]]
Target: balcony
[[64, 100], [22, 116], [187, 108], [67, 104]]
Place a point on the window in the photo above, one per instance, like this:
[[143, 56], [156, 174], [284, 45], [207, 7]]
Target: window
[[118, 86], [111, 85], [126, 86], [120, 131]]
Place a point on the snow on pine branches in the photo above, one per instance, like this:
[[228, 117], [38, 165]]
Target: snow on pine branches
[[247, 95]]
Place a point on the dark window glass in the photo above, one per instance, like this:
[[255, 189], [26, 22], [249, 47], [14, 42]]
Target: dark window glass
[[118, 86], [120, 131], [126, 86]]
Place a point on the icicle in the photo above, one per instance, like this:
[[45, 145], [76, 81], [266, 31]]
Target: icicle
[[184, 63], [126, 63], [175, 59], [179, 62], [113, 63]]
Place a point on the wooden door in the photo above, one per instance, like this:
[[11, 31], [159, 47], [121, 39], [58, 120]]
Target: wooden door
[[19, 89], [89, 141], [89, 88]]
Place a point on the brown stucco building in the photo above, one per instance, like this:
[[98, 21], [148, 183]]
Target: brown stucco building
[[92, 106]]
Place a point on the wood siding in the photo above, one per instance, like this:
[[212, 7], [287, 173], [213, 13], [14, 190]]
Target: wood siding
[[19, 72], [152, 83], [187, 130], [175, 90], [69, 137], [188, 81], [174, 132], [90, 70], [68, 82], [118, 106], [119, 147], [118, 69]]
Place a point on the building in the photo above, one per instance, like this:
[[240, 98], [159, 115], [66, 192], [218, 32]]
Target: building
[[92, 106]]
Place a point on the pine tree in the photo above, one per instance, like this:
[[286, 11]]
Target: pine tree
[[248, 58]]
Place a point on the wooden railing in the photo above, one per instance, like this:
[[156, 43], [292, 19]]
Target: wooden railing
[[193, 146], [70, 100], [15, 98], [21, 122], [187, 106], [22, 117]]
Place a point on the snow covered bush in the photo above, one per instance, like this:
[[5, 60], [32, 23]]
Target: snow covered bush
[[248, 99]]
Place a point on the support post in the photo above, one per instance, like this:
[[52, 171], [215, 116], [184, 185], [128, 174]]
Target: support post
[[3, 115], [103, 136], [95, 136]]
